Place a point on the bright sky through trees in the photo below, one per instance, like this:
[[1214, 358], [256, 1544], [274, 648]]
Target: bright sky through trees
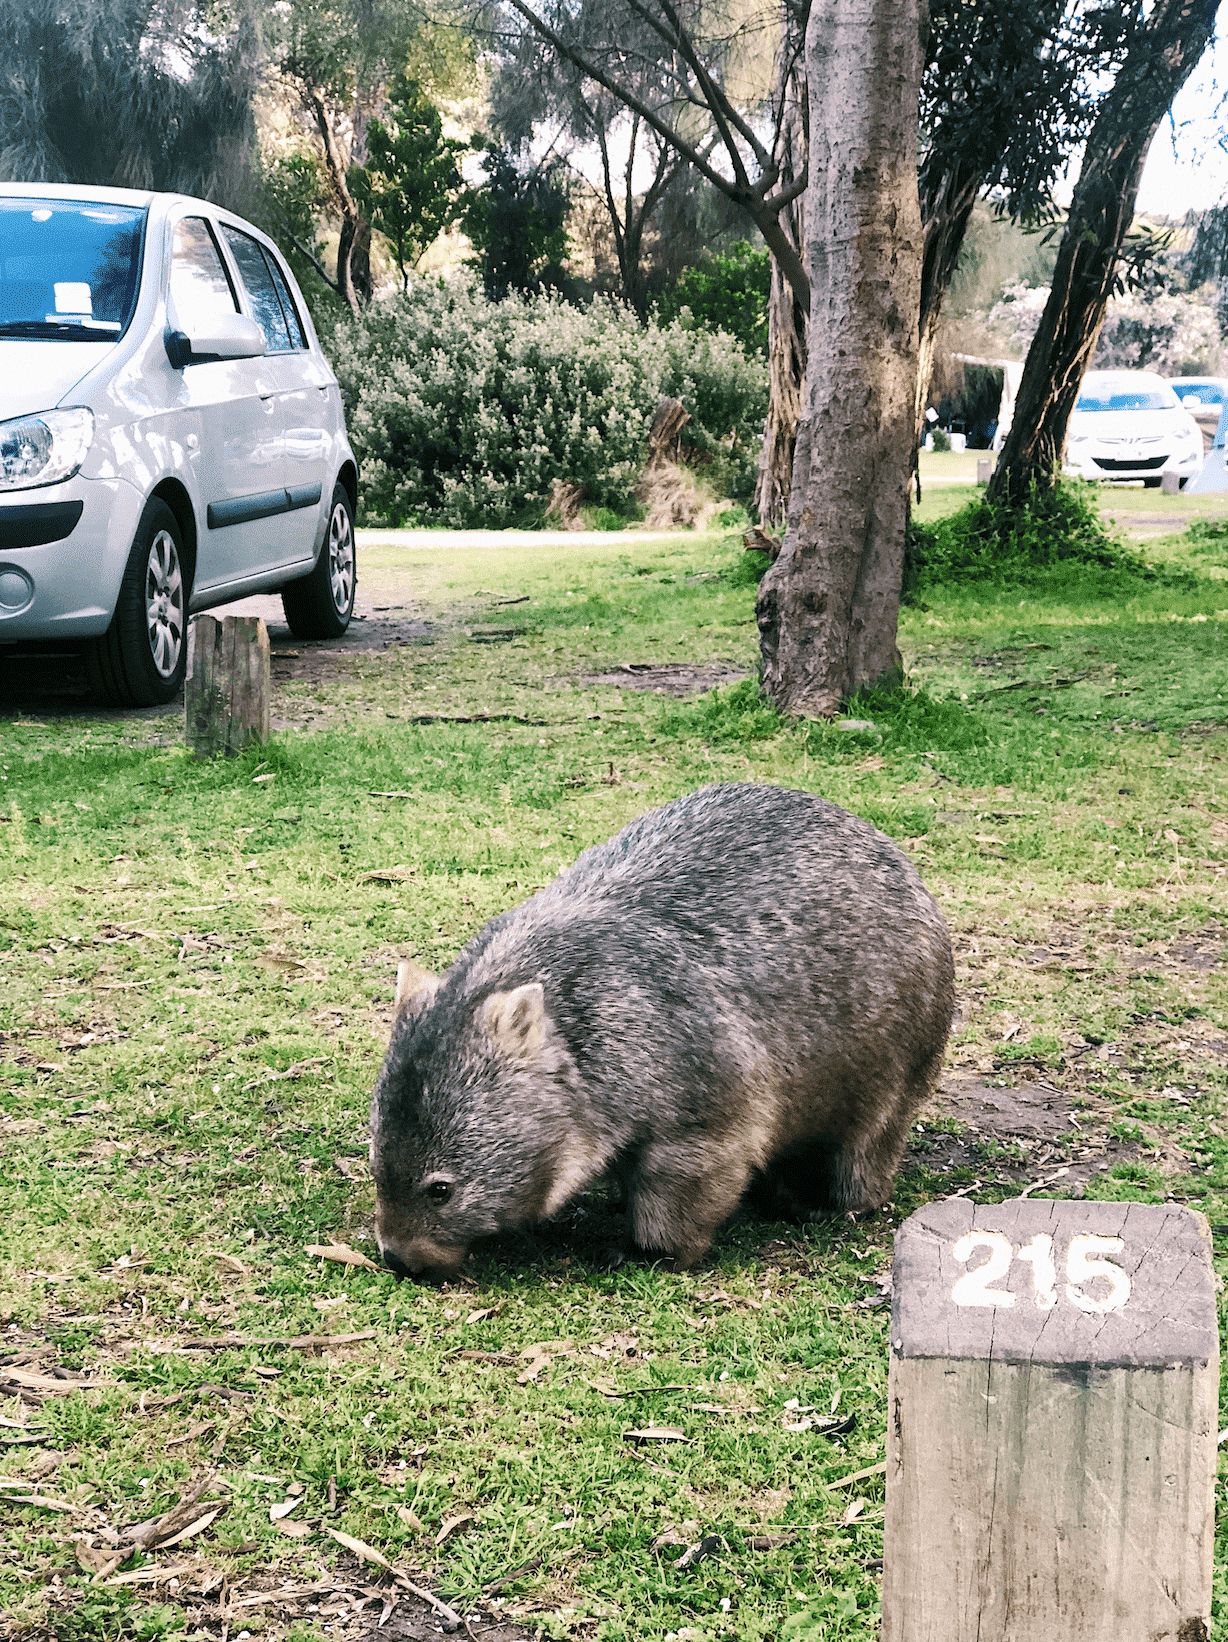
[[1187, 167]]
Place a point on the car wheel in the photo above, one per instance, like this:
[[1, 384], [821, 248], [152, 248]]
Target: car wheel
[[141, 659], [320, 604]]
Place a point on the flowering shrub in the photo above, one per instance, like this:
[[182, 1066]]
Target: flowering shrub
[[464, 412], [1172, 333]]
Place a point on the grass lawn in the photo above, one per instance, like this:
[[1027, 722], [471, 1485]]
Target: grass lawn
[[198, 965]]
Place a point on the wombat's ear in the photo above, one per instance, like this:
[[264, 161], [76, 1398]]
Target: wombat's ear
[[416, 987], [516, 1020]]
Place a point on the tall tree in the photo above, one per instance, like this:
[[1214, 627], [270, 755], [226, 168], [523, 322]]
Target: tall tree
[[1163, 42], [411, 184], [336, 59], [1005, 100], [828, 607], [533, 87], [128, 93], [517, 224], [707, 105]]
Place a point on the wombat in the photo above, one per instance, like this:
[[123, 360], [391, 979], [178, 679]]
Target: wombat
[[746, 985]]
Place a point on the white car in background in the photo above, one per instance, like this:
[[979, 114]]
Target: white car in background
[[1131, 425], [171, 435], [1198, 392]]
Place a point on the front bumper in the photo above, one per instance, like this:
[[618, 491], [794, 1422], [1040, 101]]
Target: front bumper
[[63, 551], [1103, 461]]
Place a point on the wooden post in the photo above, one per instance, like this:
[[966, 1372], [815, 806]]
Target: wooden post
[[1051, 1439], [226, 700], [1170, 483], [984, 470]]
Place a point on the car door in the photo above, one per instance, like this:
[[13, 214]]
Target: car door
[[307, 414], [239, 456]]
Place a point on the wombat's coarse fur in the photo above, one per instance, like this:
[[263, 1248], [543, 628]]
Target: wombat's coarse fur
[[746, 984]]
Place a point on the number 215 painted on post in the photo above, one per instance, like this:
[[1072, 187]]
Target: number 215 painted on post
[[1085, 1262]]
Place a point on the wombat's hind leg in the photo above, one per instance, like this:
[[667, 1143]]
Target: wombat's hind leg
[[863, 1170]]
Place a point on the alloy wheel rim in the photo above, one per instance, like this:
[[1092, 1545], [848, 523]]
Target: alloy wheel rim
[[164, 604], [341, 558]]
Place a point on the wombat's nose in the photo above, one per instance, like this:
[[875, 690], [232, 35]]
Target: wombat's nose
[[396, 1265]]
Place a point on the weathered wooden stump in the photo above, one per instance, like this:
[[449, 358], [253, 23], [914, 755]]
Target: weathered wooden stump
[[665, 434], [1170, 483], [1051, 1436], [226, 699], [984, 470]]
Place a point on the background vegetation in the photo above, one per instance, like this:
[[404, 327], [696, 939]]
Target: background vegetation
[[465, 412]]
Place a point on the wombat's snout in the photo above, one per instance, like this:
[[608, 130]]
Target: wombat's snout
[[396, 1265], [424, 1260]]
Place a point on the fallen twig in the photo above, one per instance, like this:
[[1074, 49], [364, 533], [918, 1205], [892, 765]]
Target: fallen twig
[[302, 1342], [43, 1501], [48, 1384], [152, 1576], [452, 1621], [857, 1476]]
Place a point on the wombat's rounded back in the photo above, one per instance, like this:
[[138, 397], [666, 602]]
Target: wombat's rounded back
[[770, 904]]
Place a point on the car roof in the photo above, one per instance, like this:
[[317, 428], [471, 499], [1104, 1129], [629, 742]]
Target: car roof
[[1140, 378], [140, 197]]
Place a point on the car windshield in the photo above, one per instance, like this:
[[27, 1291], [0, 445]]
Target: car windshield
[[1206, 393], [69, 269], [1116, 397]]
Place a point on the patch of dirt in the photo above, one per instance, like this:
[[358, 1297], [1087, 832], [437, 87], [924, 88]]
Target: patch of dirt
[[669, 678], [352, 1602], [1026, 1134], [52, 683], [1142, 525]]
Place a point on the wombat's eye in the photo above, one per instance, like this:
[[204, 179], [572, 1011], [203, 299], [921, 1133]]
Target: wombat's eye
[[439, 1191]]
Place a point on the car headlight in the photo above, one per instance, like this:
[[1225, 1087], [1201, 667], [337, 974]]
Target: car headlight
[[43, 449]]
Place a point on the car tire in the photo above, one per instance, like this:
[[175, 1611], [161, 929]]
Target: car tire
[[141, 659], [320, 604]]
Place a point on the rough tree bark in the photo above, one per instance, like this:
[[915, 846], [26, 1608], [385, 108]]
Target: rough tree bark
[[787, 318], [829, 606], [1161, 56]]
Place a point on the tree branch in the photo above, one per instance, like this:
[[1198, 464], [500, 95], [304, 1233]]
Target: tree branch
[[751, 197]]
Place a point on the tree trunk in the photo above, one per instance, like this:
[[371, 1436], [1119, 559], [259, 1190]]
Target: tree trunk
[[946, 207], [1159, 60], [828, 608], [353, 225], [787, 318]]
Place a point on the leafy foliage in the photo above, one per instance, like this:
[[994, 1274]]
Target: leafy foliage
[[464, 412], [411, 182], [516, 221], [334, 62], [1173, 332], [729, 292], [124, 94], [990, 540]]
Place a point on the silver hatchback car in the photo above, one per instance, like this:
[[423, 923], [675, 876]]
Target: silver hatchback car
[[171, 435]]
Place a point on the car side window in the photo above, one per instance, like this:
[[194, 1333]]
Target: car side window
[[297, 334], [200, 287], [277, 319]]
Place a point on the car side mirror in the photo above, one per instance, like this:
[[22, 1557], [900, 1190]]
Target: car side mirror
[[178, 349], [223, 336]]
